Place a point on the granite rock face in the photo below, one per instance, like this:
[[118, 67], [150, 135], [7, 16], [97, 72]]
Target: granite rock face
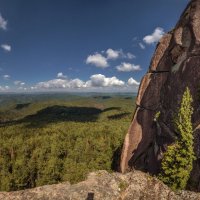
[[175, 65], [102, 185]]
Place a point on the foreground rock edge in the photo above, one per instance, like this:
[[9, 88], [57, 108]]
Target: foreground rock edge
[[134, 185]]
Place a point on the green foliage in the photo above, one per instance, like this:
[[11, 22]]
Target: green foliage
[[179, 157], [123, 185], [157, 115], [50, 141]]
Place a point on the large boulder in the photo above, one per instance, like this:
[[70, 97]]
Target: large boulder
[[175, 65]]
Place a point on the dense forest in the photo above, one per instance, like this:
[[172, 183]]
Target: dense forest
[[46, 139]]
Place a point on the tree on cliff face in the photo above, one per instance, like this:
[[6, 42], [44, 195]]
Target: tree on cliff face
[[178, 159]]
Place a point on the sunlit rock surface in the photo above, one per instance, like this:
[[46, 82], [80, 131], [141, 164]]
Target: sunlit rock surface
[[102, 185]]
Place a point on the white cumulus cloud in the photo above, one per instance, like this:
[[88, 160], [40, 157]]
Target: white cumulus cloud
[[3, 23], [55, 83], [6, 47], [101, 59], [60, 83], [77, 83], [98, 60], [61, 75], [115, 54], [19, 83], [155, 36], [95, 81], [128, 67], [112, 54], [4, 88], [6, 77], [99, 80], [132, 81]]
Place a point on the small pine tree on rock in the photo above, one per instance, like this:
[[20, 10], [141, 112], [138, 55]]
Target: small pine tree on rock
[[178, 160]]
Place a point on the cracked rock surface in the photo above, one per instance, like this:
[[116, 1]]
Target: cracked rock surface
[[175, 65]]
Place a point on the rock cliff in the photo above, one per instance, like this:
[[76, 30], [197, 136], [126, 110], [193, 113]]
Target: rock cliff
[[102, 185], [175, 65]]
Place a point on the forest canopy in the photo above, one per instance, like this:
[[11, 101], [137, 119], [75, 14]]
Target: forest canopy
[[46, 141]]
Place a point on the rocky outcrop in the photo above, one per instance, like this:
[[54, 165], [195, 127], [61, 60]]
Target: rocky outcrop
[[175, 65], [103, 185]]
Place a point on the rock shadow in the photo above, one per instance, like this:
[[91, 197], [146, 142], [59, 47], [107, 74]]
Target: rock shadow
[[57, 113], [111, 108], [115, 165], [21, 106], [119, 116]]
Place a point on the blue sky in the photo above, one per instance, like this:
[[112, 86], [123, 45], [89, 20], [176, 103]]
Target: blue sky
[[80, 45]]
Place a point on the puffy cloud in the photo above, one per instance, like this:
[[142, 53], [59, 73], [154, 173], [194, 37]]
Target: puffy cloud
[[4, 88], [6, 77], [128, 67], [60, 83], [99, 80], [55, 83], [6, 47], [115, 54], [96, 80], [98, 60], [101, 60], [3, 23], [112, 54], [19, 83], [141, 45], [132, 81], [77, 83], [61, 75], [155, 36]]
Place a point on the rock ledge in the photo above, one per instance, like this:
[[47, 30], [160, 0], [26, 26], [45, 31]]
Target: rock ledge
[[100, 185]]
